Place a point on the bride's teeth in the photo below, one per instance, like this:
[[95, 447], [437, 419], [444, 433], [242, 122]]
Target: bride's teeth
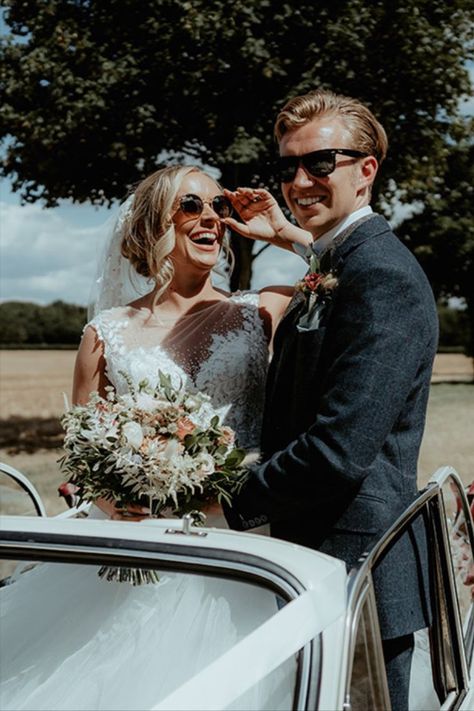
[[204, 237], [308, 201]]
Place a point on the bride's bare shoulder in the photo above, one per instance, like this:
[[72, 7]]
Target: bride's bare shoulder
[[276, 297], [273, 302]]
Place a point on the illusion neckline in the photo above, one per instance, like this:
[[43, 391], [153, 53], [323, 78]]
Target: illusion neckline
[[163, 320]]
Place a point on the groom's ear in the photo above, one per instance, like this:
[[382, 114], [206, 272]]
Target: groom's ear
[[367, 171]]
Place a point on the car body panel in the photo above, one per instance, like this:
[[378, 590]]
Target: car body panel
[[323, 607]]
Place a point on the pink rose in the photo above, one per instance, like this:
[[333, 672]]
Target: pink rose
[[185, 427]]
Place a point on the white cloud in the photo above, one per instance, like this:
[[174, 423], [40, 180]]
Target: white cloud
[[45, 257]]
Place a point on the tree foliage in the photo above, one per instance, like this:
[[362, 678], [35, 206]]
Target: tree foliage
[[96, 91], [453, 329], [28, 324], [442, 234]]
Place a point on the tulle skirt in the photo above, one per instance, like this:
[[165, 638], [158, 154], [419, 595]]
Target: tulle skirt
[[71, 640]]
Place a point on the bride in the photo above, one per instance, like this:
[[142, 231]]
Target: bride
[[170, 233], [209, 340]]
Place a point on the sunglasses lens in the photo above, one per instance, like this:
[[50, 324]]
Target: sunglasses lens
[[287, 168], [319, 165], [221, 206], [191, 205]]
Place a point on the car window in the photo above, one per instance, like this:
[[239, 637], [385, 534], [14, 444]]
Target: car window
[[367, 681], [442, 653], [68, 632], [439, 674], [460, 542]]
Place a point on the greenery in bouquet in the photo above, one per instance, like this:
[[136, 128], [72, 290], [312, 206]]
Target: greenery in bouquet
[[159, 446]]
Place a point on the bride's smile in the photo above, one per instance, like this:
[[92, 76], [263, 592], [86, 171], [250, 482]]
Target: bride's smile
[[198, 227]]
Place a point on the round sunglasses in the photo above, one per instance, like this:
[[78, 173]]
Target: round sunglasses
[[318, 163], [192, 205]]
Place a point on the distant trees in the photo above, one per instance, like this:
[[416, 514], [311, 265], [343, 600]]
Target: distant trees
[[442, 235], [29, 324], [454, 331]]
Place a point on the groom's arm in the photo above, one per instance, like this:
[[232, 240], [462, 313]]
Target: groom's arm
[[384, 336]]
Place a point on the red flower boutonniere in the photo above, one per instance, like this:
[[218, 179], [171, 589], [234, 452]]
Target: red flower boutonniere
[[316, 281], [317, 287]]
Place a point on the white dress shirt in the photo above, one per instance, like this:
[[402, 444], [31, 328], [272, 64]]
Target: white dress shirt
[[320, 244]]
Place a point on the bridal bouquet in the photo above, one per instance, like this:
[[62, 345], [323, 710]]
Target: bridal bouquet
[[152, 446]]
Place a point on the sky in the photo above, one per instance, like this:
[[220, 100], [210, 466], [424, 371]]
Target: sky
[[53, 253]]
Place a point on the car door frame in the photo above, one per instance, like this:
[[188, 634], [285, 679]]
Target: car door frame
[[429, 504]]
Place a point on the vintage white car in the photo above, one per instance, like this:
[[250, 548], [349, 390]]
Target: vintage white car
[[322, 628]]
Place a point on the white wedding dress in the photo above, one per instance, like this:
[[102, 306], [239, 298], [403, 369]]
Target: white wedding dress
[[71, 640], [220, 350]]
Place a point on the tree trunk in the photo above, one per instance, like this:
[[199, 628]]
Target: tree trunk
[[232, 177]]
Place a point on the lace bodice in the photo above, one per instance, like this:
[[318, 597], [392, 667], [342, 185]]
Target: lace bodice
[[220, 349]]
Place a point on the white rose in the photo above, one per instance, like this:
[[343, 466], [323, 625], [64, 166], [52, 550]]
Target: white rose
[[172, 449], [147, 402], [206, 465], [133, 434]]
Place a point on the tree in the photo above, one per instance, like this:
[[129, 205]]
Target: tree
[[25, 323], [442, 235], [97, 90]]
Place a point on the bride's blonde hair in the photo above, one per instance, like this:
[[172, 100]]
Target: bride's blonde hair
[[148, 236]]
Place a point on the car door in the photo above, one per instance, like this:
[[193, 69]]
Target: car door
[[443, 668], [278, 613]]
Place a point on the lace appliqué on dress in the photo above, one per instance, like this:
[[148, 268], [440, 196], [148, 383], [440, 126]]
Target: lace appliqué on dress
[[220, 350]]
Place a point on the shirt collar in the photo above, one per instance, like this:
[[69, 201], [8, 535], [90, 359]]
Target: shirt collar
[[319, 245]]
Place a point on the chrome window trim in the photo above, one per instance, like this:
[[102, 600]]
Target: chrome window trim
[[361, 593], [26, 485], [441, 477], [93, 550]]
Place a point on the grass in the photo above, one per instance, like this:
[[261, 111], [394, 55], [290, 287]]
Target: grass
[[32, 384], [447, 441]]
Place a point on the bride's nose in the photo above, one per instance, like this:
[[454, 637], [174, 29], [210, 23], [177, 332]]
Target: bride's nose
[[208, 214]]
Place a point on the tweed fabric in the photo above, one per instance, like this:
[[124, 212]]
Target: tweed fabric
[[344, 418]]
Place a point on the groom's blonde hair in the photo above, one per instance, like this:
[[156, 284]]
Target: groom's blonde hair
[[368, 135]]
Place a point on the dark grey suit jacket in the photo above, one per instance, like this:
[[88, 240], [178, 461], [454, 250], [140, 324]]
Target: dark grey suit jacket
[[344, 418]]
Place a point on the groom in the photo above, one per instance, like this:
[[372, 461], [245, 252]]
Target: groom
[[350, 376]]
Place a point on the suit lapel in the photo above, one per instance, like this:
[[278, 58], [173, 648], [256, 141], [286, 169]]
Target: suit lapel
[[357, 233]]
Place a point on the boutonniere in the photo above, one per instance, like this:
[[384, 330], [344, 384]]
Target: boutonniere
[[317, 287]]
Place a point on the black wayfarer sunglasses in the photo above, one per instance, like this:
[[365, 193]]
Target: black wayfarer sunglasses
[[193, 205], [318, 163]]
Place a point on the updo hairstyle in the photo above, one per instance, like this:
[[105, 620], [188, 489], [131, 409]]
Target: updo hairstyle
[[148, 231]]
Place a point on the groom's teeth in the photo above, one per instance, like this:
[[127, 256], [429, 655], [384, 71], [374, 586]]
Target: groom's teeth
[[308, 201]]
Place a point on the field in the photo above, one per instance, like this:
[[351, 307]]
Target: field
[[32, 384]]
